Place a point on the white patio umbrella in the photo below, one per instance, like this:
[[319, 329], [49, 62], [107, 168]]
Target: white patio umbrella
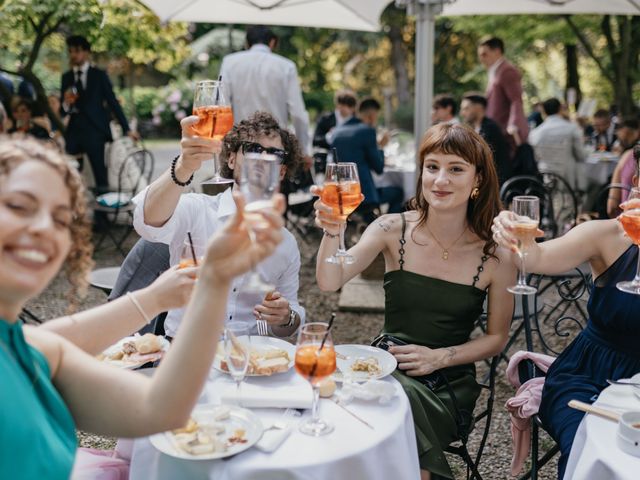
[[427, 10], [342, 14]]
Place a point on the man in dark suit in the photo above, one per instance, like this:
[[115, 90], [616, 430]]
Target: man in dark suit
[[472, 111], [504, 91], [345, 108], [355, 141], [88, 98]]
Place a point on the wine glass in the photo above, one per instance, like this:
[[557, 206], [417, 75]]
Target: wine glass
[[315, 361], [341, 191], [191, 254], [630, 220], [237, 351], [527, 210], [216, 119], [259, 182]]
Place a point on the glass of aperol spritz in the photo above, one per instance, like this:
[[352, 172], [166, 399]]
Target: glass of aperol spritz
[[630, 220], [315, 361]]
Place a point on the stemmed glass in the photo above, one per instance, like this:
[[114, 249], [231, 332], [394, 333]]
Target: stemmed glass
[[259, 182], [216, 119], [630, 220], [237, 352], [187, 253], [315, 361], [341, 191], [527, 210]]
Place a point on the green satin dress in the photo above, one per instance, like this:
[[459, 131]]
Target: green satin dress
[[434, 313], [37, 432]]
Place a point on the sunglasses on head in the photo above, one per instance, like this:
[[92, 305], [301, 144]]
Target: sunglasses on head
[[254, 147]]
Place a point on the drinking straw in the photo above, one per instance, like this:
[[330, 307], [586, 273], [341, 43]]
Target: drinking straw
[[335, 157], [193, 252], [218, 89]]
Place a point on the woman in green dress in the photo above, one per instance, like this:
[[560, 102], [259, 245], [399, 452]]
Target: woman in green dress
[[440, 264], [47, 384]]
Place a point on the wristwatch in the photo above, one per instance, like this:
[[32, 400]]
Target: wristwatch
[[292, 319]]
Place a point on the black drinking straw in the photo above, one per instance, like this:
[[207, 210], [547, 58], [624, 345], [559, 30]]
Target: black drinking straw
[[335, 158], [218, 89], [193, 252], [324, 339]]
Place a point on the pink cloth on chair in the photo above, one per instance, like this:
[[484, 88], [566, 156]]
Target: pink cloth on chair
[[92, 464], [524, 404]]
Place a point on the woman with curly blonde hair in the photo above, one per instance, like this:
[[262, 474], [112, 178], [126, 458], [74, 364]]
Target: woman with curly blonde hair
[[48, 384]]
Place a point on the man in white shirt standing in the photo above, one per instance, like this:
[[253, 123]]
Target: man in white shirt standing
[[257, 79], [164, 213], [557, 143]]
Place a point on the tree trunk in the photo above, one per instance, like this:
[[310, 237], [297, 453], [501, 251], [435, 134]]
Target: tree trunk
[[573, 77]]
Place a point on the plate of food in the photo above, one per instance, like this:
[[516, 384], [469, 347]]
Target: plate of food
[[213, 431], [362, 362], [268, 356], [133, 352]]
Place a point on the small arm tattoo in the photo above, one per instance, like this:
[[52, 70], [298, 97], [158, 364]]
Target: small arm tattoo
[[385, 224], [451, 352]]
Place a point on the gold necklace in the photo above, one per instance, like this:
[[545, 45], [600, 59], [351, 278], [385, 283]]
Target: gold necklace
[[445, 250]]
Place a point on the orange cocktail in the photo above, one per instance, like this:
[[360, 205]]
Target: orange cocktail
[[630, 221], [315, 365], [342, 197], [215, 121]]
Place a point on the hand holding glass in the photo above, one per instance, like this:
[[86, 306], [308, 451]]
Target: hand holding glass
[[315, 364], [237, 351], [341, 191], [527, 212], [188, 251], [216, 119], [630, 220]]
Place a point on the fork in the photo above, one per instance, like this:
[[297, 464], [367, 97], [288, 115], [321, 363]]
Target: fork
[[263, 327]]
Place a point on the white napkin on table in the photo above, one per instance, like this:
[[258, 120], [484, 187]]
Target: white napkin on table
[[272, 438], [273, 396]]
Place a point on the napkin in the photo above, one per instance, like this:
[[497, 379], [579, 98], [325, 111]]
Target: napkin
[[272, 438], [274, 396]]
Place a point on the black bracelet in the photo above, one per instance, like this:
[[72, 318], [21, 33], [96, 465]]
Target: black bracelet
[[173, 174], [330, 235]]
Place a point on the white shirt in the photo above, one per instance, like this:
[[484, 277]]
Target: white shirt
[[494, 68], [83, 69], [557, 144], [257, 79], [203, 215]]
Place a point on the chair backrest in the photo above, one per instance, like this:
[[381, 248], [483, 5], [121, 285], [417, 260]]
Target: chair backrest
[[135, 172], [558, 202], [600, 206]]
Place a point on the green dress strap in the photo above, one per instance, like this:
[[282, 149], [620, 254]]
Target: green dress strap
[[37, 431]]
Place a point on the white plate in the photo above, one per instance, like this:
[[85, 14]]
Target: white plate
[[259, 342], [238, 418], [130, 365], [352, 353]]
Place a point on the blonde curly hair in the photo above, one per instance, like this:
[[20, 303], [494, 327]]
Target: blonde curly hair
[[17, 149]]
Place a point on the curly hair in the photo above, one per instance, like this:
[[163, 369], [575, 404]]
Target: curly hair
[[464, 142], [17, 149], [250, 129]]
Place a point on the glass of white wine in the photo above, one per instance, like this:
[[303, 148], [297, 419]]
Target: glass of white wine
[[237, 352], [527, 210]]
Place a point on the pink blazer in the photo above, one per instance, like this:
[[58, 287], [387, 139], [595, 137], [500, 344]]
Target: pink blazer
[[504, 100]]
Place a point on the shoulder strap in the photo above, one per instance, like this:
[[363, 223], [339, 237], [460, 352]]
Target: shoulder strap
[[402, 241], [476, 277]]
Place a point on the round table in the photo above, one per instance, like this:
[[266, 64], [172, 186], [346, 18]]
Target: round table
[[393, 176], [595, 453], [596, 169], [352, 450]]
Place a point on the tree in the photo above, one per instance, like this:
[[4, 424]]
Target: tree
[[29, 26]]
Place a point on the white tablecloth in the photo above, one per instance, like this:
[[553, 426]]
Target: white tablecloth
[[351, 451], [595, 453], [404, 177], [596, 170]]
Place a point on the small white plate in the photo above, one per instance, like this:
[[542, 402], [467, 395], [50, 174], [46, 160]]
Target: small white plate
[[127, 365], [239, 418], [259, 342], [348, 354]]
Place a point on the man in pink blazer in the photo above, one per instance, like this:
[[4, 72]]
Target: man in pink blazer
[[504, 91]]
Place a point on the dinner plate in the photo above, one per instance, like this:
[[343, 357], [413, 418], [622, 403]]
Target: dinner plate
[[239, 419], [348, 354], [128, 365], [259, 342]]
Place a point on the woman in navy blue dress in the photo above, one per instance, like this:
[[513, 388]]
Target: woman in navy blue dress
[[608, 347]]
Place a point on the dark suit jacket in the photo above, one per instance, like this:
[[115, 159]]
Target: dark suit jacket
[[94, 105], [492, 133], [326, 123], [504, 100], [356, 142]]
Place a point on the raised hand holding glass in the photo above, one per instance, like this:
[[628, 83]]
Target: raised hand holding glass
[[527, 211]]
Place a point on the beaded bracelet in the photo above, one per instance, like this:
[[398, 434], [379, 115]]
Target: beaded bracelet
[[173, 174]]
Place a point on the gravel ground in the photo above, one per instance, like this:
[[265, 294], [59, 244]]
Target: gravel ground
[[349, 328]]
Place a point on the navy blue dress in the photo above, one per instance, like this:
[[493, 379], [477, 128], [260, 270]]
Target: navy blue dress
[[606, 348]]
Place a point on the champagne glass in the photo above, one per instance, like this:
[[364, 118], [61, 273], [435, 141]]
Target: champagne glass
[[72, 97], [315, 361], [216, 119], [341, 191], [237, 351], [188, 251], [527, 210], [630, 220], [259, 181]]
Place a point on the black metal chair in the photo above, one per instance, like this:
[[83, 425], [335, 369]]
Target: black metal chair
[[601, 203], [555, 321], [109, 208]]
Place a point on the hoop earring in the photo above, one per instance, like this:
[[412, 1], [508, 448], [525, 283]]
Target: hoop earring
[[475, 193]]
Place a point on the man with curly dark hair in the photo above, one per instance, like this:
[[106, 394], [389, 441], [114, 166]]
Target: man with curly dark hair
[[164, 214]]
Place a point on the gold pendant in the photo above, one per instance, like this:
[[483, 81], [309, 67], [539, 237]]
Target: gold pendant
[[445, 254]]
